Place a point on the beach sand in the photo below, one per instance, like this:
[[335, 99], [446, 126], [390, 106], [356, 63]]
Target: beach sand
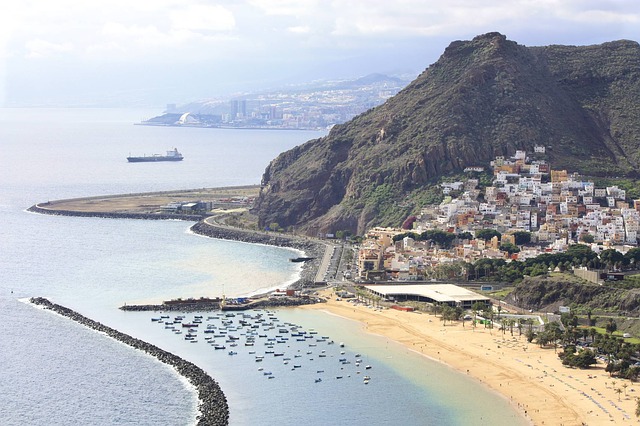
[[532, 378]]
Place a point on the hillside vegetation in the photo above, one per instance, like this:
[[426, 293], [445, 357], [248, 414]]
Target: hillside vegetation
[[485, 97]]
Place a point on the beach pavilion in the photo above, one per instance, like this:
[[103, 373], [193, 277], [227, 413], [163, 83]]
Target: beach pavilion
[[441, 294]]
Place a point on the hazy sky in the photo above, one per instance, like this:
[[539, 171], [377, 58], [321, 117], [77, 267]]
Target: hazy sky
[[152, 52]]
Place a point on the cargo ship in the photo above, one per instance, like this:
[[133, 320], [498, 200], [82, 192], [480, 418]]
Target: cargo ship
[[171, 156]]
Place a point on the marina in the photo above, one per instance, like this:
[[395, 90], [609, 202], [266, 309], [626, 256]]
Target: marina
[[271, 336]]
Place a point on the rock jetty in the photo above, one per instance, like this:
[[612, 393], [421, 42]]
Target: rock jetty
[[213, 406], [262, 303]]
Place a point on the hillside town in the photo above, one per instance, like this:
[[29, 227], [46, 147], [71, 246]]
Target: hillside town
[[528, 210]]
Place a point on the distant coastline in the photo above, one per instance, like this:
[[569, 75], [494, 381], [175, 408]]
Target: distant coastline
[[208, 126]]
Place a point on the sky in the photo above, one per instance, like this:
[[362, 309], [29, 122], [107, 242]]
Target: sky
[[154, 52]]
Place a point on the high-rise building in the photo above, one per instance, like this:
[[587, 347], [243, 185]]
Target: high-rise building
[[238, 109]]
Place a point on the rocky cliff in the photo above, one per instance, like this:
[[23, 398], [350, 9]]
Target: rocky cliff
[[485, 97]]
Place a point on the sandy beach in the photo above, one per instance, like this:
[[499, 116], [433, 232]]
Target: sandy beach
[[532, 378]]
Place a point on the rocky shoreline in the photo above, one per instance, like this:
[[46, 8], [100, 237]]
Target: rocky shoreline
[[213, 406]]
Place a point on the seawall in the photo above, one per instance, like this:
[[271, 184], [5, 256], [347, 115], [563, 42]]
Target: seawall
[[213, 406]]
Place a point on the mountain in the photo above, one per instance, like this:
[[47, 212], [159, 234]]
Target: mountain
[[485, 97]]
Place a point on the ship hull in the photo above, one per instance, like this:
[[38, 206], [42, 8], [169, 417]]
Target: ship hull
[[151, 159]]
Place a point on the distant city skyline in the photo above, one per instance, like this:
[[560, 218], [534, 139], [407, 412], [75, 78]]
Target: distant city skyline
[[150, 53]]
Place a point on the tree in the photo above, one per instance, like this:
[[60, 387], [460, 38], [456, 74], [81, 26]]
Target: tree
[[611, 326], [444, 239], [522, 237], [633, 256], [530, 335], [465, 236], [569, 320], [580, 251], [477, 306], [585, 358], [587, 238], [618, 391], [274, 226], [610, 257], [447, 313], [487, 234], [554, 333], [509, 248]]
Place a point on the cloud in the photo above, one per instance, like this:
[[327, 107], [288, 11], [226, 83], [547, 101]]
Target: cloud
[[42, 48], [290, 7], [203, 18], [301, 29], [234, 39]]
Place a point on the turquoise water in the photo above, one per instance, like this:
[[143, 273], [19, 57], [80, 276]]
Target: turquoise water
[[56, 372]]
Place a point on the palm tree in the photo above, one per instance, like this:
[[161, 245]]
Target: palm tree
[[625, 386], [618, 391], [477, 306]]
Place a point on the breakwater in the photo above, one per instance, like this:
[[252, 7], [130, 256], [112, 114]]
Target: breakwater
[[265, 303], [310, 247], [115, 215], [213, 406]]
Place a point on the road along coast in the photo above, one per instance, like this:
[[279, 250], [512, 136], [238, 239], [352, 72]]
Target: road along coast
[[213, 406], [532, 378]]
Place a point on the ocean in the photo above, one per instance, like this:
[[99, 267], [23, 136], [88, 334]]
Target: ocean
[[56, 372]]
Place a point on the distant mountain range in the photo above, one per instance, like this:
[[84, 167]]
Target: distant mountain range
[[485, 97]]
